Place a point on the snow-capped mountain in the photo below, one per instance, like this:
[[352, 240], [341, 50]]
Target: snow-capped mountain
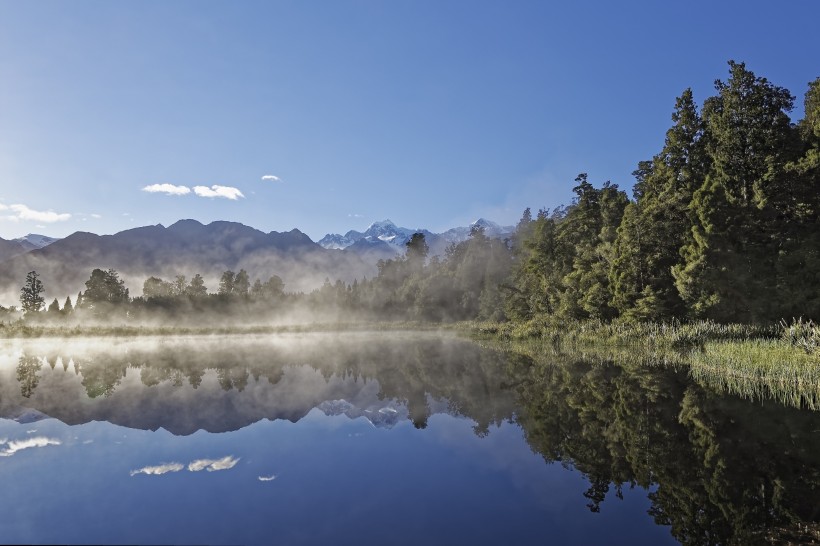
[[383, 415], [34, 241], [384, 231], [491, 229], [397, 237]]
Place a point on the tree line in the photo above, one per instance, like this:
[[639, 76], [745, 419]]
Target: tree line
[[723, 224], [106, 295]]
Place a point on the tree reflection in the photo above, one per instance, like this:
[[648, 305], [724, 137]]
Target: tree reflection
[[723, 470], [27, 374], [101, 375]]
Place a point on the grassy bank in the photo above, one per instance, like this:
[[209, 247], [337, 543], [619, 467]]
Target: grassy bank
[[778, 361]]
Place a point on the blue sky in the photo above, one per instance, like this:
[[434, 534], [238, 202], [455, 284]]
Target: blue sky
[[430, 113]]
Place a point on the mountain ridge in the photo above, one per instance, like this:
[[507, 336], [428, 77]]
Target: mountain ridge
[[185, 248], [188, 247], [386, 239]]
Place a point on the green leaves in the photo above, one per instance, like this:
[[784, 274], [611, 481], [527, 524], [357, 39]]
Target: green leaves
[[31, 299], [726, 222]]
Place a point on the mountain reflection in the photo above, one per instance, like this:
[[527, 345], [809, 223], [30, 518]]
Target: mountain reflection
[[719, 469], [219, 386]]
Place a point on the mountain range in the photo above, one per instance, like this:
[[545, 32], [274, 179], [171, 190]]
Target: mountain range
[[189, 247], [384, 239], [184, 248]]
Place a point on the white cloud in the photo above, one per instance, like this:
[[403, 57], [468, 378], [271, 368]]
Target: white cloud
[[270, 177], [355, 216], [211, 465], [22, 212], [218, 191], [167, 189], [267, 478], [96, 216], [159, 469], [18, 445]]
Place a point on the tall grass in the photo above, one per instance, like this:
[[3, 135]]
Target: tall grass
[[672, 334], [759, 370], [776, 361], [803, 334]]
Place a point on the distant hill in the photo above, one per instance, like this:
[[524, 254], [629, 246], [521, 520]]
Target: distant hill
[[9, 249], [184, 248], [33, 241]]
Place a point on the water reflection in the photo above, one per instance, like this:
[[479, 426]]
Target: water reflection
[[723, 470], [218, 386], [717, 469], [27, 374]]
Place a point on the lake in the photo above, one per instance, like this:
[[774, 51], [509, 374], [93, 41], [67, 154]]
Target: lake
[[386, 438]]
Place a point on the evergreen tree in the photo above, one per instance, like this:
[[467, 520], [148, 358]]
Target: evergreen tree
[[730, 260], [417, 251], [273, 288], [242, 283], [226, 283], [586, 236], [179, 286], [539, 269], [154, 287], [197, 287], [103, 289], [656, 227], [798, 272], [31, 298], [67, 307]]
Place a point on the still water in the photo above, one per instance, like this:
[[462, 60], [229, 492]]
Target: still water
[[386, 438]]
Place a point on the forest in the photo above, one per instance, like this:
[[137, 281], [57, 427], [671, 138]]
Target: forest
[[722, 225]]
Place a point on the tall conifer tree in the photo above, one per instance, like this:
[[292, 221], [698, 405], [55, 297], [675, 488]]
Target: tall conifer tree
[[729, 262]]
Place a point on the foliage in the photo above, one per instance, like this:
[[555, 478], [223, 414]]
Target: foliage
[[31, 298], [104, 287], [725, 224]]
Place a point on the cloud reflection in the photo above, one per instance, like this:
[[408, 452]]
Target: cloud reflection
[[12, 447], [212, 465], [159, 469]]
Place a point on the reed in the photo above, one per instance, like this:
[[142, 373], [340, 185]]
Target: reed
[[757, 362], [759, 370]]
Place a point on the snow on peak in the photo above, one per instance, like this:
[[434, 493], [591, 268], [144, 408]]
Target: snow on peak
[[384, 224], [386, 231], [34, 241]]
